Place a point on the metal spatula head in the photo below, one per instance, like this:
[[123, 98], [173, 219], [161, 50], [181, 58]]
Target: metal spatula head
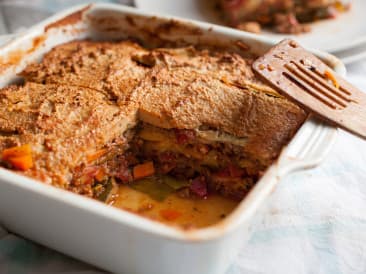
[[305, 79]]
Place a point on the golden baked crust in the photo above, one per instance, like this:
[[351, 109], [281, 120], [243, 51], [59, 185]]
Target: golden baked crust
[[104, 66], [84, 96], [62, 123]]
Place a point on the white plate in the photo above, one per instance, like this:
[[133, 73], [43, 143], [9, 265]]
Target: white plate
[[346, 32]]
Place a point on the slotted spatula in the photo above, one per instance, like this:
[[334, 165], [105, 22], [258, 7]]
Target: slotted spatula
[[302, 77]]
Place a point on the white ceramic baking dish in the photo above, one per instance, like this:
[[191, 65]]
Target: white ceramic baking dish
[[111, 238]]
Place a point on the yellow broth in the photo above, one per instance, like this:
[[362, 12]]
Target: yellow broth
[[187, 212]]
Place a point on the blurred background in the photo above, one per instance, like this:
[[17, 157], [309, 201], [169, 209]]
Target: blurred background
[[16, 15]]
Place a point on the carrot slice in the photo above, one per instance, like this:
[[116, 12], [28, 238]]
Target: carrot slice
[[96, 155], [143, 170], [100, 174], [170, 214], [17, 151], [22, 162], [20, 157]]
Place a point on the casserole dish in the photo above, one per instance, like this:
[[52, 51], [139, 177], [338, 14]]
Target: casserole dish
[[114, 239]]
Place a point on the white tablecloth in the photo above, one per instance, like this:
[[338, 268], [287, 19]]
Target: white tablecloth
[[315, 222]]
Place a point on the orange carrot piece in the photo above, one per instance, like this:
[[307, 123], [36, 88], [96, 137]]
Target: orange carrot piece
[[96, 155], [170, 214], [143, 170], [100, 174], [22, 162], [20, 157], [331, 77], [17, 151]]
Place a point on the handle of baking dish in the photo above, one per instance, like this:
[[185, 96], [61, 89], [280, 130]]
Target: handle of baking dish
[[309, 147]]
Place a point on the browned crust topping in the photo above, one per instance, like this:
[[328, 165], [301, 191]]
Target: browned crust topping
[[62, 123], [79, 102], [104, 66]]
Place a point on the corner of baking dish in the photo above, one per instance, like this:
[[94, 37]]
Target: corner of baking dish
[[307, 149]]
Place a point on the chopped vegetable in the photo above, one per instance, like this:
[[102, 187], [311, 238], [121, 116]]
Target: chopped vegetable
[[104, 189], [20, 157], [143, 170], [157, 191], [89, 174], [159, 188], [199, 186], [17, 151], [100, 175], [170, 214], [174, 183], [152, 135], [99, 153], [329, 75], [22, 163]]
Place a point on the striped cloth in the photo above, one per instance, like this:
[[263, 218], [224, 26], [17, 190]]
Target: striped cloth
[[314, 223]]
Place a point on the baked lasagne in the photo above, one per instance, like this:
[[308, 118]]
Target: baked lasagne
[[95, 116]]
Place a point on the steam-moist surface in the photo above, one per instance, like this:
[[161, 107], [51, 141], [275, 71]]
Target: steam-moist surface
[[86, 97]]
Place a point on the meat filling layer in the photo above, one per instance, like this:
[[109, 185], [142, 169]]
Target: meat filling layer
[[192, 163]]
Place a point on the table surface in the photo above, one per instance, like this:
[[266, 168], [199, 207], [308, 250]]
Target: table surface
[[315, 221]]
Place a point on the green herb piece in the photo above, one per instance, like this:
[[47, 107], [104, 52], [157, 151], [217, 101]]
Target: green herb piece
[[174, 183], [107, 187], [151, 186]]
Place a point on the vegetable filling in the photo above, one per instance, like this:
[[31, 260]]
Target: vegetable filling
[[159, 162]]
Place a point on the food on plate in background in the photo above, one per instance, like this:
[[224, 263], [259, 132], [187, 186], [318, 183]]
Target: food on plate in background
[[282, 16]]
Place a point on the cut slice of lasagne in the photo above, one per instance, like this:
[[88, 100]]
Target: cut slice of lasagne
[[204, 121]]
